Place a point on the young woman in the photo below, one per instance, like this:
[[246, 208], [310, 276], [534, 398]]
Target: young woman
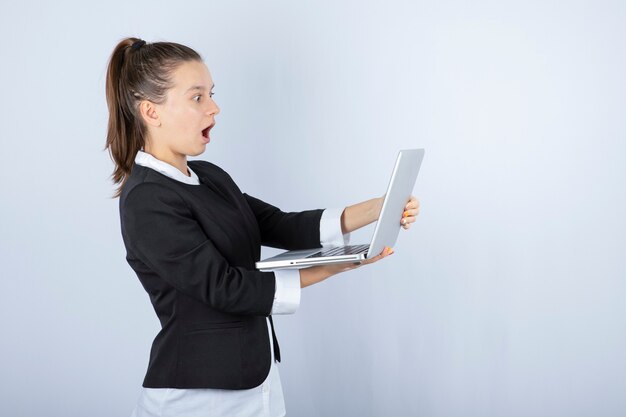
[[193, 237]]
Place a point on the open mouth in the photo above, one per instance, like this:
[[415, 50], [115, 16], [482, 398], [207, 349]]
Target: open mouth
[[205, 131]]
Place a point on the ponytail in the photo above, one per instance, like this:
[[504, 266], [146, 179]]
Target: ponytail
[[136, 71]]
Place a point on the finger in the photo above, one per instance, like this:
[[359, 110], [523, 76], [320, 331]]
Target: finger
[[412, 207], [410, 212], [412, 201], [407, 220], [374, 259], [385, 252]]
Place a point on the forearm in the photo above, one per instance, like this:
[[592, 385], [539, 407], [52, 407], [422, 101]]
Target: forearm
[[361, 214], [315, 274]]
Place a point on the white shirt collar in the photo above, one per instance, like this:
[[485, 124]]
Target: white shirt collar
[[147, 160]]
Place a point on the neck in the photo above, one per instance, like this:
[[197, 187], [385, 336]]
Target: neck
[[178, 161]]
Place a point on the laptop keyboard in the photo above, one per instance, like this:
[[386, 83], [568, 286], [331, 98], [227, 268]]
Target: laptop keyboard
[[342, 250]]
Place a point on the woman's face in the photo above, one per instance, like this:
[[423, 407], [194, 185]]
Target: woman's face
[[188, 112]]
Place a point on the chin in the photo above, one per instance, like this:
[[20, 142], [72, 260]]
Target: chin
[[198, 152]]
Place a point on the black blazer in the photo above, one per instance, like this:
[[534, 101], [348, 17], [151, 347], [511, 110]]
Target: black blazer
[[193, 248]]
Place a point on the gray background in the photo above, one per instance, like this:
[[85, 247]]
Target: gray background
[[506, 298]]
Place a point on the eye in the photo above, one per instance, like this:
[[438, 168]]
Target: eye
[[197, 97], [211, 94]]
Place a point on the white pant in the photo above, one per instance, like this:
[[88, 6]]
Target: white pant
[[266, 400]]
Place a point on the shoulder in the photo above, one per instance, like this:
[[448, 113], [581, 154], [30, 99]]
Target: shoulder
[[209, 170], [148, 188], [205, 167]]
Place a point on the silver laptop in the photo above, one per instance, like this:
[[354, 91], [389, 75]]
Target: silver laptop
[[387, 228]]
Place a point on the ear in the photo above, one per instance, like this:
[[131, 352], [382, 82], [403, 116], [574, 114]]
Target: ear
[[149, 114]]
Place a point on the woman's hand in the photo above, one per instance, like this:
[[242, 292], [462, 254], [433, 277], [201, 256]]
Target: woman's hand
[[411, 210], [315, 274]]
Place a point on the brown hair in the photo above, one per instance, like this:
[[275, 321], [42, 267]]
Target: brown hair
[[137, 71]]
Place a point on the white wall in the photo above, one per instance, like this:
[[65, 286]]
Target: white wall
[[504, 299]]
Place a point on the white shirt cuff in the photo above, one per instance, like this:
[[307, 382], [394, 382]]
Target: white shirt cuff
[[287, 295], [330, 228]]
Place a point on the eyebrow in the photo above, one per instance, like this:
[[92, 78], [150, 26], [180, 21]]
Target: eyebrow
[[198, 87]]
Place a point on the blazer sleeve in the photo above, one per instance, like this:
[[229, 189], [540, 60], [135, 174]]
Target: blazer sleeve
[[163, 234], [291, 231]]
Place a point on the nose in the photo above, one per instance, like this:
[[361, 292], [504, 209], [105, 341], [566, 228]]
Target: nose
[[213, 108]]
